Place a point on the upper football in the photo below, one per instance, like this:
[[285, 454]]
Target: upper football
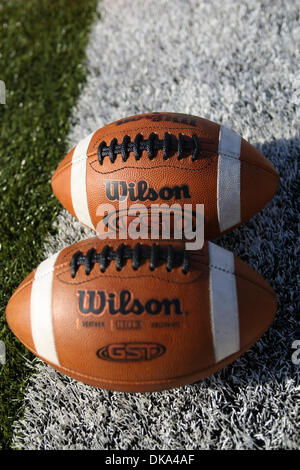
[[166, 158], [140, 317]]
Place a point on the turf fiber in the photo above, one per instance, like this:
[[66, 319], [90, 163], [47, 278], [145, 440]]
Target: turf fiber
[[42, 64]]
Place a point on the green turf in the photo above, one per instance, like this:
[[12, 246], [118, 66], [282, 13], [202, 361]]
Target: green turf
[[42, 53]]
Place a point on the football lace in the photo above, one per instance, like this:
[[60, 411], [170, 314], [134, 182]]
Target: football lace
[[183, 146], [155, 253]]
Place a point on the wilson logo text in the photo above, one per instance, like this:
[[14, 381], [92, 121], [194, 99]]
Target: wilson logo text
[[91, 302]]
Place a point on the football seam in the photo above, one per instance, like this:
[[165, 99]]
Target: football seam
[[211, 157], [46, 273], [150, 382], [79, 160], [151, 276], [176, 167]]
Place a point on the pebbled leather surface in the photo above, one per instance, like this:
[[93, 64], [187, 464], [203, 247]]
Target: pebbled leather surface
[[185, 338], [259, 179]]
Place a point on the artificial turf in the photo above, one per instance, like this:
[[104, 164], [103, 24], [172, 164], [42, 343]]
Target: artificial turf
[[42, 58]]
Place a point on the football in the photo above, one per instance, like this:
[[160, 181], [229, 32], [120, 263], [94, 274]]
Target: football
[[140, 317], [165, 158]]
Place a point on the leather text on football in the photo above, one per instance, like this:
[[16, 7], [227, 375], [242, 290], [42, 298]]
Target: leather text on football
[[140, 191], [92, 302], [131, 352]]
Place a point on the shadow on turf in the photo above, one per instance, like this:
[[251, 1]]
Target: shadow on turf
[[268, 242]]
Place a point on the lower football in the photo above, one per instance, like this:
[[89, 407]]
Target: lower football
[[140, 317]]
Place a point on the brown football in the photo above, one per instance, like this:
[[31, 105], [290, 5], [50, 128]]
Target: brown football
[[140, 317], [165, 158]]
